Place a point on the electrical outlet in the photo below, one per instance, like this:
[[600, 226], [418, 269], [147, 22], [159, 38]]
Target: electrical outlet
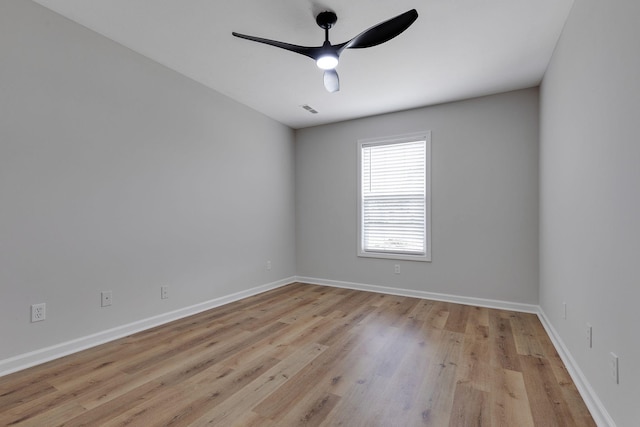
[[589, 335], [613, 369], [268, 265], [38, 312], [564, 310], [107, 298], [396, 269], [164, 292]]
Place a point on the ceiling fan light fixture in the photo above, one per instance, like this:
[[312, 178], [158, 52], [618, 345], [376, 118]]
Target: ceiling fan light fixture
[[327, 61], [326, 56]]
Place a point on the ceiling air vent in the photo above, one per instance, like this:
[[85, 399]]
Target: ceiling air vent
[[310, 109]]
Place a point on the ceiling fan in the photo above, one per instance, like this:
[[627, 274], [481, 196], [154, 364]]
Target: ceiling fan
[[326, 56]]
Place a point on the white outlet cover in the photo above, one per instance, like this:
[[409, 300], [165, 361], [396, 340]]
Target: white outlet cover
[[106, 298], [38, 312], [589, 335], [615, 373]]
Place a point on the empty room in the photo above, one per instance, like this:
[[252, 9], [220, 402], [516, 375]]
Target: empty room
[[319, 213]]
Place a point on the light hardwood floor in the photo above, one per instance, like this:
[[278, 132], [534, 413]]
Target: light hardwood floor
[[310, 355]]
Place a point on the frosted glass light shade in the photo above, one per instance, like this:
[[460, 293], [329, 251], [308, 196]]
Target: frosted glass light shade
[[327, 62]]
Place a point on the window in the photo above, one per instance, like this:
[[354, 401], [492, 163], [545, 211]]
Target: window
[[394, 199]]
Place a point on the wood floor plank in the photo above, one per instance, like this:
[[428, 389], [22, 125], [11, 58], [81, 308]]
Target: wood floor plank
[[509, 400], [310, 355], [311, 410], [435, 397], [53, 416], [545, 396], [474, 367], [438, 315], [407, 379], [525, 336], [32, 388], [399, 311], [119, 384], [421, 310], [570, 393], [361, 362], [471, 407], [352, 302], [186, 402], [343, 324], [232, 409], [360, 403], [503, 346], [296, 337], [101, 414], [321, 301], [278, 404], [457, 319], [251, 419]]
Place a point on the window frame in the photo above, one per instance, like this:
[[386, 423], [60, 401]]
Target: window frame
[[412, 137]]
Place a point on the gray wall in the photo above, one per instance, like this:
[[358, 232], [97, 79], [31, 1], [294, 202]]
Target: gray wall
[[590, 196], [119, 174], [484, 199]]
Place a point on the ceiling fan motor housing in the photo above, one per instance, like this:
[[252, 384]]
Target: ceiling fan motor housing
[[326, 20]]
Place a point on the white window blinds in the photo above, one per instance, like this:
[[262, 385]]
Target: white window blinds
[[393, 198]]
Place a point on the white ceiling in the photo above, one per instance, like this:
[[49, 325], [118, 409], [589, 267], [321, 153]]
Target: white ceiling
[[456, 49]]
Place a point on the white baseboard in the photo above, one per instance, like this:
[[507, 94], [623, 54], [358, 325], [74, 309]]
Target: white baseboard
[[591, 399], [479, 302], [27, 360]]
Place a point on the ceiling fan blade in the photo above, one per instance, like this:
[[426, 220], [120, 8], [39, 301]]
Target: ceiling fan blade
[[382, 32], [331, 81], [311, 52]]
